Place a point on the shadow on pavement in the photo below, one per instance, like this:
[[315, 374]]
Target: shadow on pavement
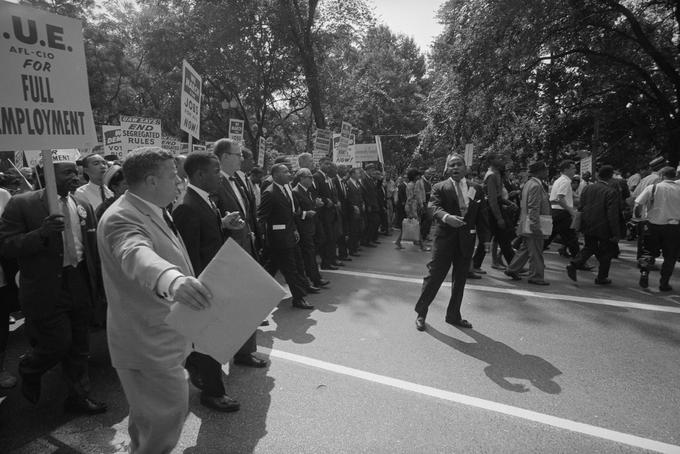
[[291, 324], [504, 362]]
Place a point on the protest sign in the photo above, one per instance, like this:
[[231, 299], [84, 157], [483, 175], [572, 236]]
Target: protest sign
[[44, 100], [34, 157], [236, 129], [586, 165], [139, 132], [19, 158], [378, 142], [262, 149], [199, 148], [322, 144], [171, 144], [111, 138], [190, 113], [468, 154], [365, 152], [242, 298]]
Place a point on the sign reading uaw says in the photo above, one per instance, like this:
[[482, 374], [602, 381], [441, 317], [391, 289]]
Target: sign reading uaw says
[[44, 96]]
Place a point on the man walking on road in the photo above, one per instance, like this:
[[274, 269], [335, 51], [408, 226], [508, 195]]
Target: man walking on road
[[600, 207], [662, 201], [461, 213], [562, 203]]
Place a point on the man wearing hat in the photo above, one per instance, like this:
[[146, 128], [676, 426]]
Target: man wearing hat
[[58, 262], [646, 245], [534, 205], [95, 191]]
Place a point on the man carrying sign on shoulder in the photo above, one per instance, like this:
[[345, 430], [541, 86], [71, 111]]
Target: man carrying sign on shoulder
[[57, 257], [146, 267]]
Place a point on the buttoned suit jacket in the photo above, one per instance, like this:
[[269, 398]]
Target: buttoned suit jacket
[[600, 207], [200, 228], [41, 260], [136, 247], [305, 202], [228, 202], [277, 219], [444, 200]]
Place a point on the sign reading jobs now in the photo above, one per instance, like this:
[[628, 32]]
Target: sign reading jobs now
[[44, 99], [190, 118], [138, 132]]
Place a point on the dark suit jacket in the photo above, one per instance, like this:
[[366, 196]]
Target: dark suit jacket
[[444, 200], [304, 200], [228, 202], [600, 207], [355, 197], [370, 195], [325, 192], [277, 219], [200, 229], [41, 260]]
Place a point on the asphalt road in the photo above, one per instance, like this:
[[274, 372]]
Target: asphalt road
[[568, 368]]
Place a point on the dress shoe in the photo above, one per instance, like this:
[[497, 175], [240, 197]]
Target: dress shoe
[[313, 289], [30, 388], [461, 323], [644, 280], [302, 304], [345, 259], [538, 281], [511, 274], [498, 266], [264, 323], [603, 281], [420, 323], [376, 242], [222, 403], [328, 267], [338, 263], [586, 268], [478, 271], [250, 361], [571, 272], [322, 283], [664, 287], [84, 406], [7, 380], [472, 275]]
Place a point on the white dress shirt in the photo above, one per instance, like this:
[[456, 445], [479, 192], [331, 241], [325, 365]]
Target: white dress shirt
[[236, 191], [75, 230], [666, 207], [91, 193]]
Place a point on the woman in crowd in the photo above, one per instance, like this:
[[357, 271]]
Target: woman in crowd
[[413, 205]]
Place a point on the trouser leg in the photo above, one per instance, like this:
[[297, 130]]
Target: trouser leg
[[438, 268]]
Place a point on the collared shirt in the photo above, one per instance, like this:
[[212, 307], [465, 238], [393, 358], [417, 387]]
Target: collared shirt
[[666, 207], [562, 186], [236, 190], [286, 190], [91, 193], [75, 230], [166, 280]]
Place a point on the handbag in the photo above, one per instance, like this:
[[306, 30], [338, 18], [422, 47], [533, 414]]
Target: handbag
[[410, 230]]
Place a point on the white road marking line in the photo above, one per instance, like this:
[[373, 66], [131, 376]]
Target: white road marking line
[[541, 418], [518, 292]]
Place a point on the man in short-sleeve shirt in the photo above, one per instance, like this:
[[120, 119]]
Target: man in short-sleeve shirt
[[562, 205]]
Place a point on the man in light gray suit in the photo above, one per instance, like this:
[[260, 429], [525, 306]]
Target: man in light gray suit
[[145, 268]]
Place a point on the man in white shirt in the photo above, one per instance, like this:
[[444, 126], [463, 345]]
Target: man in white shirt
[[94, 192], [563, 211], [662, 201]]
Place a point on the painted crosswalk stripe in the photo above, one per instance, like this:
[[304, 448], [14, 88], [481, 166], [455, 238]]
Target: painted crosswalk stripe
[[554, 421], [519, 292]]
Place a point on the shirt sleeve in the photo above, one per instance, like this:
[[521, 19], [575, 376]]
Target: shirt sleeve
[[164, 286]]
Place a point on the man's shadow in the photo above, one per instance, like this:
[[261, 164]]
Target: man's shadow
[[291, 324], [504, 362]]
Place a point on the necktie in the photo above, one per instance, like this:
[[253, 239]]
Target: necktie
[[70, 255], [168, 220], [461, 199], [288, 197], [240, 194], [103, 194]]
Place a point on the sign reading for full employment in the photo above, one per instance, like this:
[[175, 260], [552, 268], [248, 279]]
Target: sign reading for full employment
[[236, 129], [44, 96], [190, 118], [139, 132]]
